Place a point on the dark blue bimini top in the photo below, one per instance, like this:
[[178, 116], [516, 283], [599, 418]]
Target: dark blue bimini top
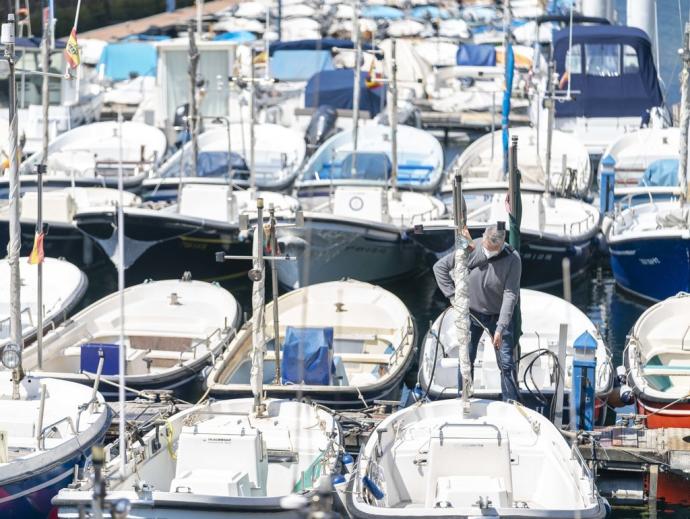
[[613, 69], [335, 87], [476, 55]]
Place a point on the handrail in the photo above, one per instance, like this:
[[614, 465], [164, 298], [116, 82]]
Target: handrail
[[398, 351], [467, 425], [41, 436]]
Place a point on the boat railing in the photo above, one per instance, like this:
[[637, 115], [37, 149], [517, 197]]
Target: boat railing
[[586, 473], [25, 310], [47, 428], [469, 425], [420, 217], [206, 341], [580, 223], [393, 359]]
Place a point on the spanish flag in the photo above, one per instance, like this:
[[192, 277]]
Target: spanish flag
[[72, 49], [371, 81], [37, 254]]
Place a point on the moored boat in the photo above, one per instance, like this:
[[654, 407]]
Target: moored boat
[[36, 463], [63, 287], [657, 360], [343, 344], [494, 459], [173, 329], [222, 459], [538, 366]]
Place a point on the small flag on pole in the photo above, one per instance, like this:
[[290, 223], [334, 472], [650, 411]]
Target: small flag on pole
[[37, 254], [72, 49], [372, 79]]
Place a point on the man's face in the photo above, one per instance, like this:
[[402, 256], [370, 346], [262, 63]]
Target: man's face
[[491, 247]]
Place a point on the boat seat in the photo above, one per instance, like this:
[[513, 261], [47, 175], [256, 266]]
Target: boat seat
[[462, 451], [151, 342]]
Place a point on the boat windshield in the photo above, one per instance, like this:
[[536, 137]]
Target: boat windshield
[[29, 85], [209, 164], [354, 166]]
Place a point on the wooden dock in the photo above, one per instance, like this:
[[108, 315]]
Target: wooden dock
[[180, 16]]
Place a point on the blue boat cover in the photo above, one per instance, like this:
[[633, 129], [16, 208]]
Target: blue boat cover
[[299, 65], [307, 356], [334, 88], [476, 55], [615, 75], [238, 36], [89, 357], [382, 11], [432, 12], [662, 172], [121, 60]]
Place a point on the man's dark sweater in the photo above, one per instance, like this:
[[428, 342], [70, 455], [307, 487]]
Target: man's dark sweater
[[494, 283]]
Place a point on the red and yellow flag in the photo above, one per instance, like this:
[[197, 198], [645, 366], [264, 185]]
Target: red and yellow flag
[[37, 254], [72, 49], [371, 80]]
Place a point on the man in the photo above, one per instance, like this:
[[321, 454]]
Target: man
[[494, 285]]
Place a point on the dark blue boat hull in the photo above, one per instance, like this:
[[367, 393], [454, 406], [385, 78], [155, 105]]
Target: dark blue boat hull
[[30, 497], [652, 268]]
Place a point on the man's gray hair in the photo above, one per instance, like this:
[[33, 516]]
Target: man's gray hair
[[494, 236]]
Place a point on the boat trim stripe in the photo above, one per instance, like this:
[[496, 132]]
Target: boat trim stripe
[[31, 490]]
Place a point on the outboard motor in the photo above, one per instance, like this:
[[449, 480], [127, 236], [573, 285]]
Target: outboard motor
[[321, 127]]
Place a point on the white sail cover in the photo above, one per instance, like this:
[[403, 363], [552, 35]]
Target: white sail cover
[[258, 338], [461, 305]]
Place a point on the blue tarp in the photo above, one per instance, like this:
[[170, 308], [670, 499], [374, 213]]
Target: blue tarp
[[334, 88], [308, 356], [299, 65], [383, 12], [476, 55], [662, 172], [610, 82], [121, 60], [237, 36]]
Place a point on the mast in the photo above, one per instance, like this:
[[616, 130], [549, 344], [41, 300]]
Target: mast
[[508, 65], [394, 119], [257, 275], [14, 244], [45, 51], [684, 116], [357, 79], [274, 289], [461, 300], [121, 291], [193, 122], [252, 123], [550, 102]]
